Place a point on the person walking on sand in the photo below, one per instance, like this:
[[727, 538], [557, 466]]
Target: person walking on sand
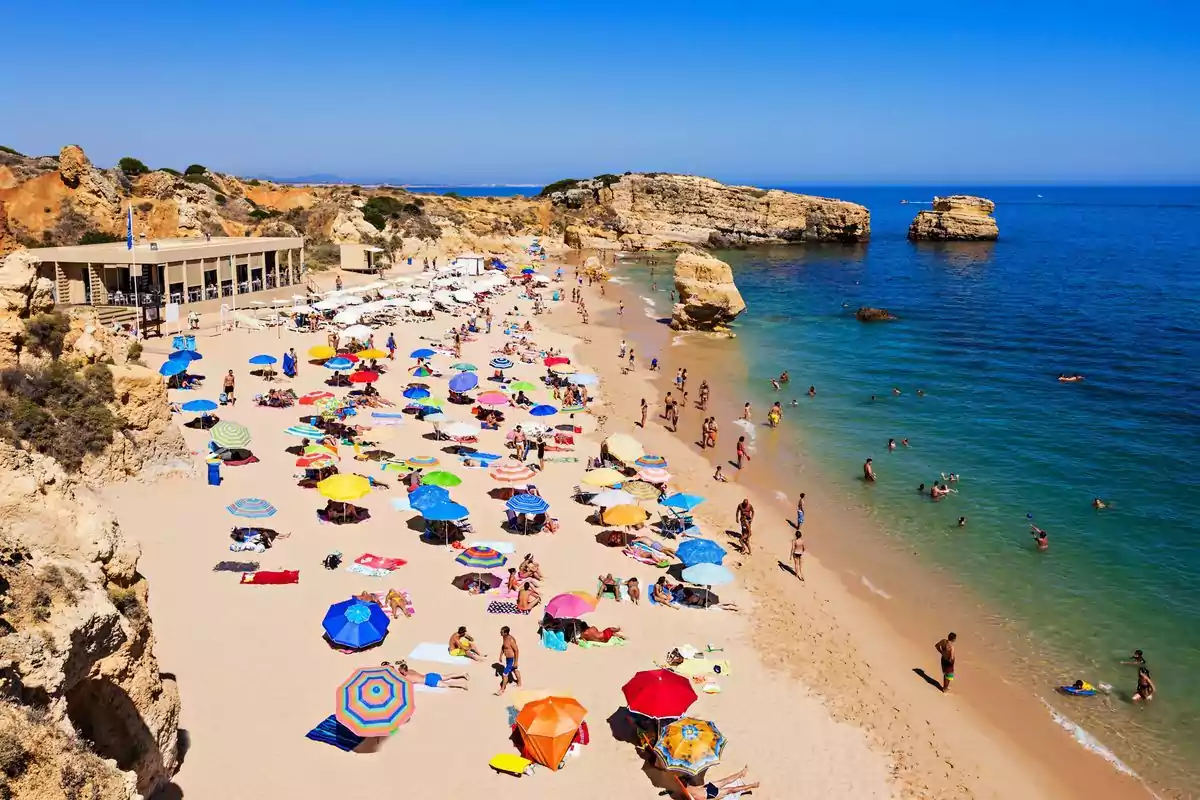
[[798, 555], [800, 511], [946, 649], [621, 309], [868, 471], [511, 654], [228, 385], [746, 410], [391, 346], [712, 433], [645, 411], [631, 358], [745, 519], [741, 451]]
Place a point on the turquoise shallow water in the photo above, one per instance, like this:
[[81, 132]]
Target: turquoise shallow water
[[1100, 281]]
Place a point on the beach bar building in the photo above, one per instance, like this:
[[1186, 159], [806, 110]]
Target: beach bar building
[[200, 273]]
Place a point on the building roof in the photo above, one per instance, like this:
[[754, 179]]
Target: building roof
[[178, 249], [468, 255]]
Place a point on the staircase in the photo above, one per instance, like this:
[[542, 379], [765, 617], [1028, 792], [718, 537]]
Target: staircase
[[62, 286], [99, 292], [121, 315]]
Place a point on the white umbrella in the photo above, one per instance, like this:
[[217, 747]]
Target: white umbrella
[[389, 292], [460, 430], [361, 332], [299, 298], [395, 302], [421, 306], [436, 417], [327, 305], [351, 300], [540, 279], [302, 309], [370, 287], [444, 297], [464, 295], [612, 498], [347, 317]]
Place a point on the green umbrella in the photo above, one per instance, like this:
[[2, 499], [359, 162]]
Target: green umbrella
[[441, 478], [230, 435], [522, 386], [463, 366], [430, 402]]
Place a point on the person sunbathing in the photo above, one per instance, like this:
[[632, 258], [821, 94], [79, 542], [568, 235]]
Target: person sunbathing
[[397, 602], [720, 787], [367, 597], [530, 570], [654, 544], [513, 581], [461, 645], [594, 634], [528, 598], [433, 680], [635, 591], [663, 593], [705, 599], [608, 585]]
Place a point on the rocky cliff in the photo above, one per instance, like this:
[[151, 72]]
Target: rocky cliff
[[957, 218], [655, 210], [708, 298]]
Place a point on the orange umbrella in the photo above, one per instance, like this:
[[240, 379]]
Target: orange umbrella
[[548, 727]]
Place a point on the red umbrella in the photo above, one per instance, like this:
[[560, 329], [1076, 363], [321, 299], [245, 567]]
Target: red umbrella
[[365, 376], [550, 362], [316, 459], [349, 357], [314, 397], [659, 693]]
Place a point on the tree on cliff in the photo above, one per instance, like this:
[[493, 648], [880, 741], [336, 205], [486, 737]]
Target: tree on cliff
[[195, 169], [132, 166]]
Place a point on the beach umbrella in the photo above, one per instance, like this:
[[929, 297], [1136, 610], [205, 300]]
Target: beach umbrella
[[571, 605], [522, 386], [605, 476], [353, 359], [651, 461], [543, 411], [625, 515], [659, 693], [689, 746], [422, 461], [642, 490], [548, 727], [422, 372], [654, 475], [251, 508], [374, 701], [624, 447], [315, 460], [575, 409], [374, 353], [441, 478], [355, 624], [230, 434], [313, 397], [526, 503], [344, 488], [700, 551], [305, 431], [364, 376], [583, 379], [707, 575], [421, 306], [463, 382], [423, 352], [481, 558], [500, 362], [492, 399], [461, 430], [338, 363], [359, 332], [682, 501], [463, 366], [611, 498], [555, 360], [563, 369], [198, 406], [347, 316], [351, 300], [416, 393], [173, 366], [445, 512], [512, 472], [528, 271], [185, 355], [319, 450], [430, 402], [436, 417], [321, 352], [427, 496], [263, 360]]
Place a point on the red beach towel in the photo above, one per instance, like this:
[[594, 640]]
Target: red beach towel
[[379, 562], [282, 576]]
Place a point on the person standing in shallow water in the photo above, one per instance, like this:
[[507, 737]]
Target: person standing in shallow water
[[946, 649], [868, 471], [741, 451]]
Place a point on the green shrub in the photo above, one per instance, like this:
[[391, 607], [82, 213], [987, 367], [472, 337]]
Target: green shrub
[[14, 756], [57, 411], [378, 210], [169, 171], [99, 237], [134, 352], [44, 334], [132, 166], [607, 179], [558, 186], [356, 191], [221, 199], [145, 207], [261, 213], [195, 169], [126, 601], [10, 151], [254, 182], [193, 177]]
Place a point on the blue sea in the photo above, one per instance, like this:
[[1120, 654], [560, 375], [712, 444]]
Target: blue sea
[[1104, 282]]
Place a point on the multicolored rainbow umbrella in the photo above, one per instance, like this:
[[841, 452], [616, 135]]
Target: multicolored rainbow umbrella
[[375, 701], [481, 558]]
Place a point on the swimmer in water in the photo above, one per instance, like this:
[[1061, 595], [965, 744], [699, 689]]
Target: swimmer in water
[[774, 384], [1040, 536], [1065, 378], [896, 391], [962, 522], [872, 398], [904, 442], [920, 392], [1097, 503], [868, 471], [783, 377], [795, 402], [812, 391], [1145, 686], [1138, 659], [921, 489], [891, 444]]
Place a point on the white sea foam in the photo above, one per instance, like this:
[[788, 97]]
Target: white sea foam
[[1087, 741], [873, 589], [780, 496], [618, 281], [651, 314], [648, 301]]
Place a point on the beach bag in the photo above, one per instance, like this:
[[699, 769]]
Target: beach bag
[[554, 640], [582, 736]]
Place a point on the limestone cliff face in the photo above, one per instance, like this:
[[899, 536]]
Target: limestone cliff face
[[649, 211], [77, 649], [22, 295], [708, 298], [956, 218]]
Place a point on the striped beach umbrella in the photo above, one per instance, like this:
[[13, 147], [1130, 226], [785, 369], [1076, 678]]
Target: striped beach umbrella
[[500, 362], [251, 508], [374, 701], [422, 372], [574, 409], [464, 366], [651, 461], [320, 450], [605, 476], [481, 558], [563, 369], [338, 363], [690, 746], [526, 503], [654, 475], [642, 490], [512, 472], [315, 397], [422, 461], [230, 434], [305, 431], [315, 460]]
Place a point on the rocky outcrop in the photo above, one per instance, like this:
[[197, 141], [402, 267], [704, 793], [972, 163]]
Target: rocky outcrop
[[585, 237], [960, 218], [708, 298], [867, 314], [22, 295], [648, 210], [95, 195], [77, 649], [349, 225], [8, 240], [149, 442]]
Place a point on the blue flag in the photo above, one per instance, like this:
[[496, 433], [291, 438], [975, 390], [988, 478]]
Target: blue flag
[[129, 229]]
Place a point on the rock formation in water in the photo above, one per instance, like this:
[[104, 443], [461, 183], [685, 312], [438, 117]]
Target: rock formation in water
[[708, 298], [961, 218], [647, 211], [866, 314]]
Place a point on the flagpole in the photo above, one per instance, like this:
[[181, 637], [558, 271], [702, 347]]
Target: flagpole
[[132, 254]]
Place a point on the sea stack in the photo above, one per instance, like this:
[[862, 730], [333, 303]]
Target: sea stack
[[708, 298], [958, 218]]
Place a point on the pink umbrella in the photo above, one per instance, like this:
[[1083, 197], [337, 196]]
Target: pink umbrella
[[571, 605], [492, 399], [654, 475]]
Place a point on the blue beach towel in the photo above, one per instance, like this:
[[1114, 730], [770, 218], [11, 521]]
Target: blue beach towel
[[332, 732]]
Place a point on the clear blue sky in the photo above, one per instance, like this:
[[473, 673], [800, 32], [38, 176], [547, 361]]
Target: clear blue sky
[[463, 92]]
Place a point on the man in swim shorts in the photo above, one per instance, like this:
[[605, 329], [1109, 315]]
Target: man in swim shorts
[[946, 648], [511, 654]]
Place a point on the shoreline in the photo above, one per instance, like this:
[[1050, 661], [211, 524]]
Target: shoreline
[[986, 708]]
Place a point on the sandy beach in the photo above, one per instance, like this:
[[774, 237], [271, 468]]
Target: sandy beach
[[820, 697]]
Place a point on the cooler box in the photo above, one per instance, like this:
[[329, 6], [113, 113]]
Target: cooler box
[[214, 473]]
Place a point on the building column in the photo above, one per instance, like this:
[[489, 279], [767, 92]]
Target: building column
[[291, 272]]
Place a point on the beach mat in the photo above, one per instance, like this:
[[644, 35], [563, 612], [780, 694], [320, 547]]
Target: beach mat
[[423, 689], [334, 733], [379, 562], [616, 641], [432, 651], [271, 578]]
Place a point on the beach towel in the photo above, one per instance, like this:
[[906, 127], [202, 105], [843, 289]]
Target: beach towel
[[645, 555], [503, 607], [438, 653], [616, 641], [330, 731], [359, 569], [271, 578], [379, 562]]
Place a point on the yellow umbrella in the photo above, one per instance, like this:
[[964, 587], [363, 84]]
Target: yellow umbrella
[[368, 354], [625, 515], [602, 477], [319, 449], [624, 447], [344, 488], [642, 490], [322, 352], [563, 369]]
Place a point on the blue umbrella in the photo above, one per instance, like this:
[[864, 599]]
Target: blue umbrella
[[682, 501], [447, 511], [543, 411], [338, 363], [423, 352], [425, 496], [199, 406], [526, 503], [463, 382], [263, 360], [707, 575], [355, 624], [172, 366], [700, 551], [416, 393], [185, 355], [500, 362], [251, 508]]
